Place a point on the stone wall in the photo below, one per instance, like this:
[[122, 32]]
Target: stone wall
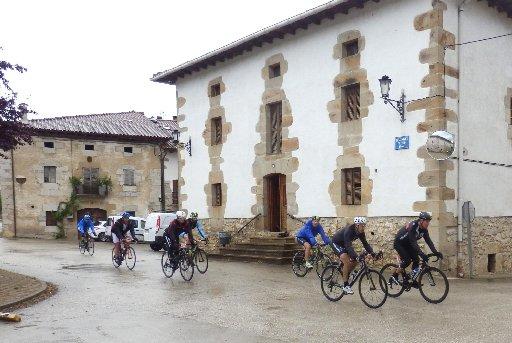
[[7, 197]]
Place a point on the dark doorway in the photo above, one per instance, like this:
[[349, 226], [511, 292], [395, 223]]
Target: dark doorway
[[97, 214], [275, 199]]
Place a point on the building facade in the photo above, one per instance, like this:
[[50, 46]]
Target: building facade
[[113, 158], [288, 122]]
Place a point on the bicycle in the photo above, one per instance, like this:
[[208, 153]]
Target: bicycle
[[318, 258], [86, 244], [375, 286], [436, 281], [184, 260], [200, 258], [127, 254]]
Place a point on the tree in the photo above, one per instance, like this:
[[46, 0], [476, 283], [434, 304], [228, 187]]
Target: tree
[[13, 131]]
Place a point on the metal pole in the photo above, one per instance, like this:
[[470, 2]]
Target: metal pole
[[470, 241], [162, 182]]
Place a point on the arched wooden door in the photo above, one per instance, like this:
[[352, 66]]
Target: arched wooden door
[[96, 213]]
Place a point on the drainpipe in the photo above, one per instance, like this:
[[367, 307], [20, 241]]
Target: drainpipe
[[162, 180], [13, 191]]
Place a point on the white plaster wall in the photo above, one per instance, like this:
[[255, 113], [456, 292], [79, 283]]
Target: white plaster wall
[[309, 87], [486, 72], [171, 167]]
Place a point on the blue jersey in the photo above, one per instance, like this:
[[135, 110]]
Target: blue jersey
[[308, 232], [85, 225]]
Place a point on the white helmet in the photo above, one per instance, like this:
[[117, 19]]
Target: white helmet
[[360, 220], [181, 215]]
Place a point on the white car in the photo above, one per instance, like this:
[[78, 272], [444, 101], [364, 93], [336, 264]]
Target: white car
[[99, 230], [139, 222], [156, 223]]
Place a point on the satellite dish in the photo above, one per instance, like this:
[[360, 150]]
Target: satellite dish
[[440, 145]]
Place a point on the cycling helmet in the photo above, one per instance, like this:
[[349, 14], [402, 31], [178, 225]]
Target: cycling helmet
[[126, 215], [425, 216], [87, 216], [317, 218], [193, 215], [360, 220], [181, 215]]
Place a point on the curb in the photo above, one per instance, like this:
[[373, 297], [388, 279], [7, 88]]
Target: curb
[[43, 288]]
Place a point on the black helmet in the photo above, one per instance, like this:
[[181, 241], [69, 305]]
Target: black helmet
[[317, 218], [425, 216]]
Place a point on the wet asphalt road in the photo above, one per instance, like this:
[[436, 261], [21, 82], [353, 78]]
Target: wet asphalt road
[[232, 302]]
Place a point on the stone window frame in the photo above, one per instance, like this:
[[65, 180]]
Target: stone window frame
[[86, 146], [216, 194], [274, 70], [49, 174], [215, 90], [347, 105], [348, 48], [353, 190], [274, 128], [216, 130], [49, 145], [128, 175], [50, 218]]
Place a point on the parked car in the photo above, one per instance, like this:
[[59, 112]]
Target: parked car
[[139, 222], [99, 230], [156, 223]]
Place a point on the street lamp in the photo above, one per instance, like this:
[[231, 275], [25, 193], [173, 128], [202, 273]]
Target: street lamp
[[398, 105], [175, 135]]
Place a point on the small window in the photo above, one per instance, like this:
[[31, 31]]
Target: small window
[[274, 70], [216, 128], [274, 128], [50, 218], [351, 186], [491, 263], [49, 145], [351, 96], [351, 48], [129, 177], [215, 90], [89, 147], [128, 149], [50, 174], [216, 194]]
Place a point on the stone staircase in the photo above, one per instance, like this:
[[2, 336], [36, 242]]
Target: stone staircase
[[275, 250]]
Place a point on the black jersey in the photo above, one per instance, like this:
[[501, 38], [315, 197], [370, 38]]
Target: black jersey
[[346, 236]]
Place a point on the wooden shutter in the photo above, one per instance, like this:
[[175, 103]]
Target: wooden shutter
[[274, 128], [216, 128], [50, 218], [175, 192], [352, 186], [216, 194], [50, 174], [352, 102], [91, 180], [129, 177]]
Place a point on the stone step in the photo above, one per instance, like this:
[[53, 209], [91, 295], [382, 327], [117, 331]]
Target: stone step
[[258, 252], [272, 240], [266, 246], [250, 258]]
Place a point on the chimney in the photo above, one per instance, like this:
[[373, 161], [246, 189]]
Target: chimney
[[159, 117], [174, 117]]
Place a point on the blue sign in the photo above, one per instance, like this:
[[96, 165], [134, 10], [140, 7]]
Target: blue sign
[[402, 143]]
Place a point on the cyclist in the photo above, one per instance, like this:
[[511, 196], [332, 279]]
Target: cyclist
[[176, 228], [123, 229], [306, 237], [342, 246], [85, 227], [195, 223], [406, 244]]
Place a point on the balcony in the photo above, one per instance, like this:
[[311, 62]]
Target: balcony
[[92, 189]]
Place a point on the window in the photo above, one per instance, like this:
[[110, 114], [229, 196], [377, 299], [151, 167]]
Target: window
[[351, 186], [89, 147], [274, 70], [216, 127], [215, 90], [350, 48], [50, 174], [174, 192], [274, 127], [50, 218], [49, 145], [128, 149], [351, 102], [129, 177], [491, 263], [216, 194], [90, 184]]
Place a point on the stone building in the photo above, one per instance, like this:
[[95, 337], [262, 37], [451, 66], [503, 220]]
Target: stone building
[[289, 122], [121, 147]]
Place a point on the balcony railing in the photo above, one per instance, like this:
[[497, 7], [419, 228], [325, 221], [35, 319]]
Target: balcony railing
[[93, 189]]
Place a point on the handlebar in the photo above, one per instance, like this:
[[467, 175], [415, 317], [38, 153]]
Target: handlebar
[[429, 256]]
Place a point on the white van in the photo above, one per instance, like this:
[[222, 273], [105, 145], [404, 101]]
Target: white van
[[139, 222], [156, 223]]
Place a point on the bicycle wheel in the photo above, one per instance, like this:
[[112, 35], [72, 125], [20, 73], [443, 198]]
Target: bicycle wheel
[[331, 281], [395, 286], [81, 247], [167, 265], [373, 289], [299, 264], [433, 285], [130, 258], [321, 264], [186, 267], [115, 262], [91, 247], [201, 260]]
